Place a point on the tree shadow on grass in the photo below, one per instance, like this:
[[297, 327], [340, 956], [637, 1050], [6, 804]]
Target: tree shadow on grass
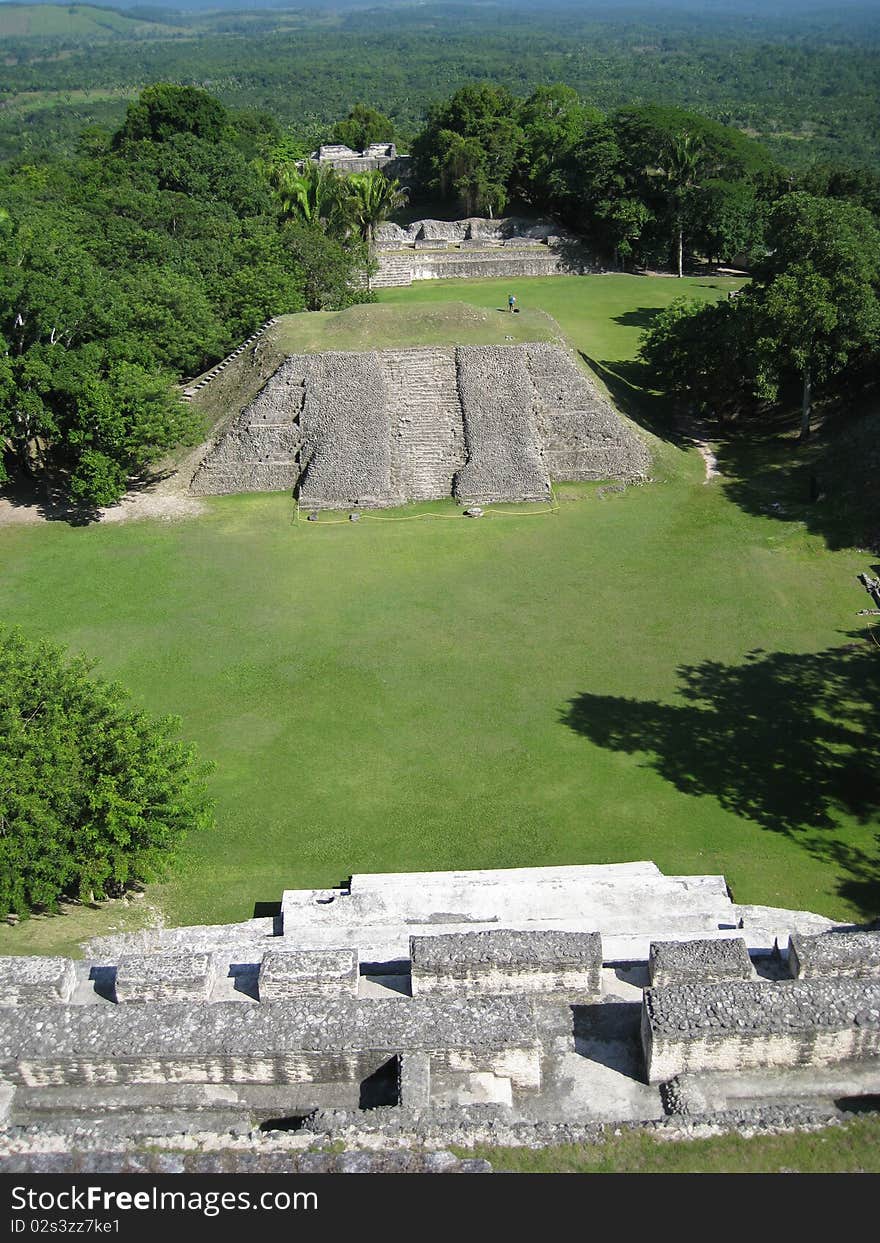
[[639, 317], [629, 386], [51, 502], [787, 741], [831, 484]]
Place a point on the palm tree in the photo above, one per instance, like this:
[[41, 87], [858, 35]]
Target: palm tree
[[311, 193], [369, 200], [681, 161]]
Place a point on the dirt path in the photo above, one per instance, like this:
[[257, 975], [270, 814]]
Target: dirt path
[[167, 499], [705, 451], [696, 432]]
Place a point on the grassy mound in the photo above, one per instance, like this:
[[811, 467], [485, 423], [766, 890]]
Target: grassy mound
[[366, 327]]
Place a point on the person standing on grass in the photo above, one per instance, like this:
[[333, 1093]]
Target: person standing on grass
[[511, 303]]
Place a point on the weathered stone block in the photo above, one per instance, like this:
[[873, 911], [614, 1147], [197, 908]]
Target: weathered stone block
[[740, 1026], [414, 1081], [296, 973], [310, 1040], [698, 962], [854, 954], [35, 981], [508, 962], [165, 977]]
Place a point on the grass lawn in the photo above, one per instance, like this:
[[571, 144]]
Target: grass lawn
[[851, 1148], [392, 696]]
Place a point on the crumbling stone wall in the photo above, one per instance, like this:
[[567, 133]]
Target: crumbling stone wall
[[740, 1026], [345, 426], [302, 1040], [582, 435], [673, 963], [259, 452], [504, 454], [483, 423], [508, 961], [855, 954]]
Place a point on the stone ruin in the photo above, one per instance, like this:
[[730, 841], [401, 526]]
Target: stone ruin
[[418, 1010], [381, 428], [507, 247], [378, 155]]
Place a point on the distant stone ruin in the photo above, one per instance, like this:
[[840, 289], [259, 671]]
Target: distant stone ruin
[[369, 430], [478, 248], [521, 1006], [378, 155]]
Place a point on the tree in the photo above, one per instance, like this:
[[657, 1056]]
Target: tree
[[815, 297], [689, 348], [325, 267], [313, 194], [370, 199], [470, 146], [680, 163], [166, 109], [725, 219], [553, 120], [363, 126], [94, 795]]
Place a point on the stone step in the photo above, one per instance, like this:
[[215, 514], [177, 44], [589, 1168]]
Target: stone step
[[427, 432], [623, 939]]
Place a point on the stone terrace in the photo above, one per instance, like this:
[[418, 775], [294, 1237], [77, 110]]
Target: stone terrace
[[474, 1004], [482, 423]]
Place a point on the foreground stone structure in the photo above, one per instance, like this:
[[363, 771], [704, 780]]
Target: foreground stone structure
[[319, 973], [742, 1026], [175, 977], [698, 962], [474, 963], [429, 1009], [855, 954], [35, 981], [380, 428]]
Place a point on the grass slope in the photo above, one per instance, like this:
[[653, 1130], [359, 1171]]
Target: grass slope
[[851, 1148], [79, 21], [366, 327], [452, 694]]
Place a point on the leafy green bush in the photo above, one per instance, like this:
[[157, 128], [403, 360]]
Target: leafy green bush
[[94, 794]]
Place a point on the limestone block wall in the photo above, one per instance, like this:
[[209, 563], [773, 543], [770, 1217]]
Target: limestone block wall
[[259, 452], [35, 981], [319, 973], [582, 435], [483, 423], [741, 1026], [426, 424], [507, 961], [504, 459], [693, 962], [345, 429], [308, 1040], [478, 260], [852, 954], [168, 977]]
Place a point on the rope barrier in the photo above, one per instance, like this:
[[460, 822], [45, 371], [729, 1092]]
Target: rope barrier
[[551, 508]]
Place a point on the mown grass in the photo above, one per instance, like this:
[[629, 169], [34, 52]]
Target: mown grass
[[853, 1147], [365, 327], [394, 325], [400, 695]]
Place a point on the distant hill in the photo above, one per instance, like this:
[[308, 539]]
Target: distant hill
[[76, 21]]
